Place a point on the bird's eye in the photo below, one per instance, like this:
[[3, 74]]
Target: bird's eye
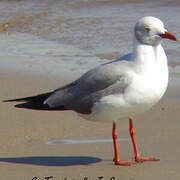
[[147, 29]]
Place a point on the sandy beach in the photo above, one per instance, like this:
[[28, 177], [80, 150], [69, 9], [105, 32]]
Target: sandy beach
[[24, 155]]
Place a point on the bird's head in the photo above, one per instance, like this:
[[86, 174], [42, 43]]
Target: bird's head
[[150, 30]]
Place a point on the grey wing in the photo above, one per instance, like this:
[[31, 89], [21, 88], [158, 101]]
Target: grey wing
[[91, 87]]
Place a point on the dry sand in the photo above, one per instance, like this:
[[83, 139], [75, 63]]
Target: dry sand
[[25, 156]]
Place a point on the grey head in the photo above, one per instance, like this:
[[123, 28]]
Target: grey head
[[150, 31]]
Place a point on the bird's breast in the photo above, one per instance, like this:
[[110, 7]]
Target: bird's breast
[[148, 87]]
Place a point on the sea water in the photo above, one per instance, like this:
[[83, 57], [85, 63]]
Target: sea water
[[66, 38]]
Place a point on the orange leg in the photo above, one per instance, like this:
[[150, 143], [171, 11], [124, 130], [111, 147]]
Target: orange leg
[[136, 152], [116, 153]]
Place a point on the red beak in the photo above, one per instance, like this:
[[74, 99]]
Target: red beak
[[168, 35]]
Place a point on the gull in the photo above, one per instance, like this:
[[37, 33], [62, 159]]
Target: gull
[[118, 89]]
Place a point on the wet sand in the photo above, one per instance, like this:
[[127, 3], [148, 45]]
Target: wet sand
[[24, 154]]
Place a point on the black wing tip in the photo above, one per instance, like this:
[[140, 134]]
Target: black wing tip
[[13, 100], [9, 100], [37, 98], [42, 107], [34, 105]]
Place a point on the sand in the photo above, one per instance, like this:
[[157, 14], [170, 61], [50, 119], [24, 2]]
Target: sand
[[24, 154]]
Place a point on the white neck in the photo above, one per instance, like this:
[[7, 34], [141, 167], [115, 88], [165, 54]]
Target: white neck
[[147, 54]]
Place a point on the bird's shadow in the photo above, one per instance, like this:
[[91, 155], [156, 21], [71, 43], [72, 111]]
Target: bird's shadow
[[52, 160]]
